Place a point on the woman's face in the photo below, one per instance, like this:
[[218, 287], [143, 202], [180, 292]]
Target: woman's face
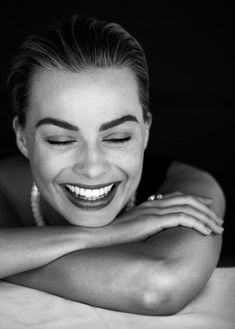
[[85, 139]]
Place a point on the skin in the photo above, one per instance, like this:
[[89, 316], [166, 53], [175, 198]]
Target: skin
[[143, 254], [86, 100]]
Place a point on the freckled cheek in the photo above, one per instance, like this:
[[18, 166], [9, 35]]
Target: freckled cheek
[[47, 166], [130, 162]]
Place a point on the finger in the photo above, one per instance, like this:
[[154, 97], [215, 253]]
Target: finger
[[169, 195], [205, 200], [169, 221], [184, 200], [203, 207], [200, 198], [190, 211]]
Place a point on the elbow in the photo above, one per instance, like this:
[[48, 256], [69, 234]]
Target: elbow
[[167, 293], [160, 304], [159, 297]]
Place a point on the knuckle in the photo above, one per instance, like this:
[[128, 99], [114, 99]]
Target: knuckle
[[179, 192], [187, 207], [152, 218], [181, 215], [148, 203], [189, 198], [143, 207]]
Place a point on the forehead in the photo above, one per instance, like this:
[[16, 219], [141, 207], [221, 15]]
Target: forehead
[[99, 90]]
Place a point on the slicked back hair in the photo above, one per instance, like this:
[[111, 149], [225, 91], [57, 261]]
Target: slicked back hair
[[75, 45]]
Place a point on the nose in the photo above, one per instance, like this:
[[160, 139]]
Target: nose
[[91, 162]]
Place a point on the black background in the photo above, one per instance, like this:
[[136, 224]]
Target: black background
[[188, 46]]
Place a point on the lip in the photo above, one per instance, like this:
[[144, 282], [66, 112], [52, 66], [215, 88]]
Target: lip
[[91, 205]]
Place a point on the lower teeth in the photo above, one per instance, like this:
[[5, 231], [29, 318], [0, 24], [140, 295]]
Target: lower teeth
[[89, 198]]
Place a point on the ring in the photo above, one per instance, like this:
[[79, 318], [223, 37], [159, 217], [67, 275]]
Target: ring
[[157, 196]]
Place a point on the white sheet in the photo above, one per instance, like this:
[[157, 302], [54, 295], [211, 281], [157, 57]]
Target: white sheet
[[22, 307]]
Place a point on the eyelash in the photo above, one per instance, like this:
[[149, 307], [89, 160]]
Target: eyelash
[[59, 143], [119, 140], [112, 140]]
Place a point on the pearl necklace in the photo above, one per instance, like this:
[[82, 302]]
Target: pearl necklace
[[35, 206], [36, 209]]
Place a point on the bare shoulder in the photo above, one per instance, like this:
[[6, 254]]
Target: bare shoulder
[[15, 186], [15, 169]]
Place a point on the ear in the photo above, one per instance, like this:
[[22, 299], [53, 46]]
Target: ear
[[20, 136], [148, 123]]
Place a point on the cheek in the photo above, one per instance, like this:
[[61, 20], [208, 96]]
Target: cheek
[[45, 165], [41, 161], [130, 161]]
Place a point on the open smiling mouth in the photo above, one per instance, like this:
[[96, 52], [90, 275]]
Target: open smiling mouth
[[91, 197]]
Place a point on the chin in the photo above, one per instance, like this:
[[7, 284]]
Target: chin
[[92, 219]]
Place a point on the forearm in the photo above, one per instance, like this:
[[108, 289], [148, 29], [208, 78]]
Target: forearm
[[116, 277], [157, 277], [24, 249]]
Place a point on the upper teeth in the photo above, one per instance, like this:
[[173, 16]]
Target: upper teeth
[[89, 193]]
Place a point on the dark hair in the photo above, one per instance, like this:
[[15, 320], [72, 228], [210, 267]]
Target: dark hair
[[74, 45]]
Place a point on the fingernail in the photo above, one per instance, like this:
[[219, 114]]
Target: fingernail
[[208, 230], [220, 229], [206, 200], [219, 220]]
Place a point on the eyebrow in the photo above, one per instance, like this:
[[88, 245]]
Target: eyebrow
[[69, 126], [56, 122], [118, 122]]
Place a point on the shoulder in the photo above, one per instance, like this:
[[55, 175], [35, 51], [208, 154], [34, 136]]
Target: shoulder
[[14, 169], [15, 186], [155, 168], [12, 162]]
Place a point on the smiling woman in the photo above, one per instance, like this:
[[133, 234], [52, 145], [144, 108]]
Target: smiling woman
[[94, 138], [80, 94]]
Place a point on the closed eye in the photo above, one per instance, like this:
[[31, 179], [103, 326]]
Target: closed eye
[[118, 140], [60, 143]]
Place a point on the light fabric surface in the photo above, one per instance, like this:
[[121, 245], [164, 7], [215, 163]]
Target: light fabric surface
[[22, 307]]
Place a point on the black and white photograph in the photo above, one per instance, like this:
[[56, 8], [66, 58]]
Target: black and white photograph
[[116, 165]]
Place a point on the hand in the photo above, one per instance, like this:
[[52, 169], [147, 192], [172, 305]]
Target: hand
[[151, 217], [193, 205]]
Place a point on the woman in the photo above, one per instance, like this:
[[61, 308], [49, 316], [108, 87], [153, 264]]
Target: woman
[[80, 93]]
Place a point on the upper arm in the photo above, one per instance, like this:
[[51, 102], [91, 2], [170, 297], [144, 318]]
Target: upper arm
[[189, 259], [195, 181]]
